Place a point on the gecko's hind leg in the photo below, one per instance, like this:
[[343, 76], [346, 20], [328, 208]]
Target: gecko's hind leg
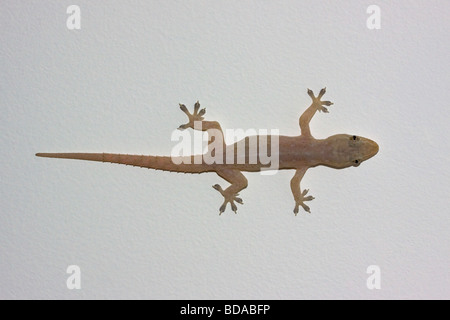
[[238, 182], [196, 122], [193, 117], [196, 119]]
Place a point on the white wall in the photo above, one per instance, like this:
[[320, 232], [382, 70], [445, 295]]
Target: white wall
[[115, 85]]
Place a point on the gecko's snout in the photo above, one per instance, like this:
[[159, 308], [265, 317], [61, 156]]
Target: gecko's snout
[[376, 147], [370, 148]]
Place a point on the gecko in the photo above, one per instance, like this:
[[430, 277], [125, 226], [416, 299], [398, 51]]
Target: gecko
[[297, 153]]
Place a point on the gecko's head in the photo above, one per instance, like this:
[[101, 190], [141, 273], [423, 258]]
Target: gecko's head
[[349, 150]]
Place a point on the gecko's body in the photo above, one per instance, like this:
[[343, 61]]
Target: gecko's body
[[298, 153]]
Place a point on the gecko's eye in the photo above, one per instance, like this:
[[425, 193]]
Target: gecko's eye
[[356, 163], [354, 138]]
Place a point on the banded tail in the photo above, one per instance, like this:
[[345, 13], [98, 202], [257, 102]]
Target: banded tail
[[188, 165]]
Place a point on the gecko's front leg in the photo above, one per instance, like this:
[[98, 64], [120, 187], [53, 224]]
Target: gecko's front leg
[[316, 105], [300, 196]]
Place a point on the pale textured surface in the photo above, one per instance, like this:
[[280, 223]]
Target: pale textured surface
[[114, 86]]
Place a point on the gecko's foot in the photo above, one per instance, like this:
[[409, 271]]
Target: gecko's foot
[[229, 197], [300, 200], [318, 102], [193, 117]]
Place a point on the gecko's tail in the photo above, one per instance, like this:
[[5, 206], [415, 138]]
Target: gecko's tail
[[184, 164]]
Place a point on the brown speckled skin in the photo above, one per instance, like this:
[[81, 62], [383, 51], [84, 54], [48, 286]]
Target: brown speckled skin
[[298, 153]]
